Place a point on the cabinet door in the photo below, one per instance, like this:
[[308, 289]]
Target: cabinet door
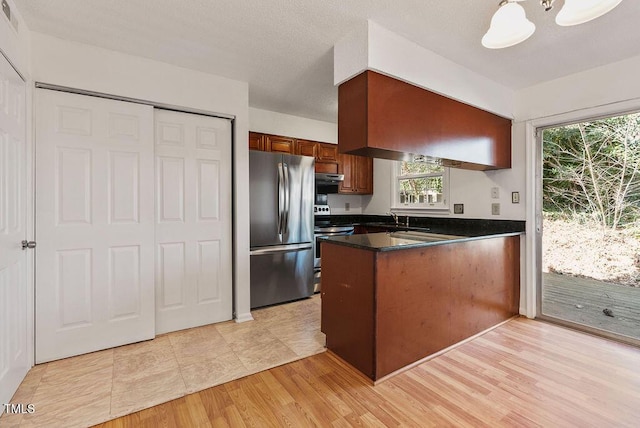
[[358, 174], [363, 172], [327, 152], [345, 166], [327, 167], [307, 148], [275, 143], [256, 141]]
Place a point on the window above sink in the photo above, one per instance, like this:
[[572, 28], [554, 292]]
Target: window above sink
[[420, 185]]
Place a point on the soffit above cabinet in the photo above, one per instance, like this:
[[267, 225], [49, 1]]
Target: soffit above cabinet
[[379, 116]]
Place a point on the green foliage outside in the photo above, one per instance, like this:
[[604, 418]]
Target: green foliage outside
[[591, 171], [417, 189]]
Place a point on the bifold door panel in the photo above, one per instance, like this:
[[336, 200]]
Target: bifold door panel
[[133, 222], [193, 212], [94, 224]]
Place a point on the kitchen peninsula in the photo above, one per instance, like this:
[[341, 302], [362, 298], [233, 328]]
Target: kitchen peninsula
[[392, 299]]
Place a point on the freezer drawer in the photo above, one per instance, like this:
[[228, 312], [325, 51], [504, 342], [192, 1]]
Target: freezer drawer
[[280, 274]]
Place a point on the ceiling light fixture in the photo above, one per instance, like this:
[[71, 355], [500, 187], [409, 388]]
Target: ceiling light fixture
[[577, 12], [510, 26]]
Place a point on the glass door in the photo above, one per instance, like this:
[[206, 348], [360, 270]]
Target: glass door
[[589, 225]]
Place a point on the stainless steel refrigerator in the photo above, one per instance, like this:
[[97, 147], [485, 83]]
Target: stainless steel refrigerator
[[282, 188]]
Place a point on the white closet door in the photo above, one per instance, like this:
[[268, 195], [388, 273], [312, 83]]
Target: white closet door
[[14, 359], [94, 224], [193, 212]]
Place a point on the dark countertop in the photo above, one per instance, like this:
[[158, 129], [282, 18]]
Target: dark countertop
[[450, 226], [390, 241]]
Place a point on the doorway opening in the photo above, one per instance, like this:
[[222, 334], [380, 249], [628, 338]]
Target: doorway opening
[[589, 203]]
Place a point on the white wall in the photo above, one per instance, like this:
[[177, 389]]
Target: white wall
[[76, 65], [380, 202], [599, 86], [376, 48], [271, 122], [15, 39]]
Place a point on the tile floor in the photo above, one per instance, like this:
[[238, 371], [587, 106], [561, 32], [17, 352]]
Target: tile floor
[[93, 388]]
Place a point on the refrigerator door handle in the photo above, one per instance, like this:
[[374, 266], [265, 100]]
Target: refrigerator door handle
[[280, 200], [281, 249], [287, 200]]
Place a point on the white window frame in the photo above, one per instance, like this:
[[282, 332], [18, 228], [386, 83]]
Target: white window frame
[[436, 207]]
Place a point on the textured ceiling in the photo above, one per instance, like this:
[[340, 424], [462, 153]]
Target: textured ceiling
[[283, 48]]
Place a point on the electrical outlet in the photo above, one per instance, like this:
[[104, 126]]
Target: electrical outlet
[[458, 208], [347, 206], [495, 193], [495, 209]]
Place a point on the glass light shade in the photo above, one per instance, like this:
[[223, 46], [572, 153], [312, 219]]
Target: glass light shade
[[576, 12], [509, 26]]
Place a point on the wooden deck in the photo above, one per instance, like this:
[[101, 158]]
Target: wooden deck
[[583, 300]]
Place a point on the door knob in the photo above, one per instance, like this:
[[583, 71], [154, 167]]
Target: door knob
[[28, 244]]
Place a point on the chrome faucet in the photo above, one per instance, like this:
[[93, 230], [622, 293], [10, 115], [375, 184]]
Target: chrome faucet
[[394, 216]]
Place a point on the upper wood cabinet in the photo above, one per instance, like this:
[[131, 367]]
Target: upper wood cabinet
[[379, 116], [272, 143], [322, 152], [308, 148], [358, 174], [256, 141], [327, 152], [357, 170]]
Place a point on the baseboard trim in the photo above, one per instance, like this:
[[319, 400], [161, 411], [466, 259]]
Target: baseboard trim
[[244, 317]]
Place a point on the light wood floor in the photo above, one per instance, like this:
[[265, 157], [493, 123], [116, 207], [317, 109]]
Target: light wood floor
[[524, 373]]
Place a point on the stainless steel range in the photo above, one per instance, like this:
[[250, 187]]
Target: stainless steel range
[[324, 228]]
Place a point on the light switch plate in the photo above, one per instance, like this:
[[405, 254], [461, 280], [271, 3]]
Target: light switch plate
[[458, 208], [495, 209], [515, 197]]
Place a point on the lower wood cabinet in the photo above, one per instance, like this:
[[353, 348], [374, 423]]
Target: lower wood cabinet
[[384, 310]]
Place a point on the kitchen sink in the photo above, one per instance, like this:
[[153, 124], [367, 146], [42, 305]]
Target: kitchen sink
[[424, 236]]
